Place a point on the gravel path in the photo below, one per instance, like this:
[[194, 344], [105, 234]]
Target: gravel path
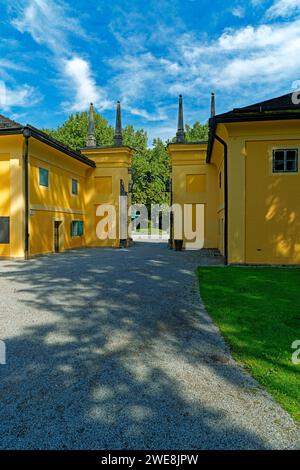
[[112, 349]]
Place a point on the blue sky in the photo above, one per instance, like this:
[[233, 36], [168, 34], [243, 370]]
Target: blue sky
[[57, 56]]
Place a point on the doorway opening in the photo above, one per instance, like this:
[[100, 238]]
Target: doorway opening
[[57, 224]]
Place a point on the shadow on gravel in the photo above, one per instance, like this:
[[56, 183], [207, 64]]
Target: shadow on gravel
[[90, 366]]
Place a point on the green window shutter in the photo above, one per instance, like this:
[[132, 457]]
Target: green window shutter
[[43, 177], [77, 228], [81, 228]]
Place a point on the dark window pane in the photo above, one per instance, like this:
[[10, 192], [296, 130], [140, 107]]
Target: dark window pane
[[279, 155], [291, 154], [43, 177], [74, 186], [4, 230], [278, 165], [291, 165], [278, 160]]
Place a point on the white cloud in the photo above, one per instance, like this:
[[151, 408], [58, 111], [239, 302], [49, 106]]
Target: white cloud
[[158, 115], [78, 76], [239, 12], [48, 22], [283, 9], [265, 54], [21, 96]]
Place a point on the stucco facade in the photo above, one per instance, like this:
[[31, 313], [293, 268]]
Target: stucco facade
[[75, 185], [252, 210], [246, 177]]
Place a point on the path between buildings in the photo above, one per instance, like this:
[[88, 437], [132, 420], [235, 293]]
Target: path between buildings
[[112, 349]]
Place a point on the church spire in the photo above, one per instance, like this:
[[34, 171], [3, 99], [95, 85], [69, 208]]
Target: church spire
[[180, 135], [91, 138], [213, 105], [118, 138]]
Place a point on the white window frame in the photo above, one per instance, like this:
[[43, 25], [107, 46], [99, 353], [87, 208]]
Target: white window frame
[[285, 150]]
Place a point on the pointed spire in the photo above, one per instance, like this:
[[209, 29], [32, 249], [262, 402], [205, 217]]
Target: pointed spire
[[213, 105], [180, 135], [118, 138], [91, 138]]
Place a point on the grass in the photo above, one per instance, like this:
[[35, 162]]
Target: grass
[[258, 312]]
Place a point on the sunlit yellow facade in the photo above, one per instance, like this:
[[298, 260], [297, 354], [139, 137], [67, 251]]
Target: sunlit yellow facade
[[61, 207], [252, 209], [246, 177]]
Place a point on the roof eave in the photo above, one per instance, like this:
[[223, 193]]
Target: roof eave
[[213, 122], [42, 137], [11, 131]]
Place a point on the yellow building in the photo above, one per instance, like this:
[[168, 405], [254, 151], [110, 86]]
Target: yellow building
[[49, 194], [249, 181], [245, 178]]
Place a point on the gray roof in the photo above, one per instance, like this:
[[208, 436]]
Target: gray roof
[[280, 104], [6, 123], [8, 126]]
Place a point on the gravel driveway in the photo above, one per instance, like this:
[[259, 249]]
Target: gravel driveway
[[112, 349]]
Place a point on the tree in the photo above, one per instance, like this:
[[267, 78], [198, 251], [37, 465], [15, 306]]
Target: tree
[[150, 167], [73, 132], [150, 173], [196, 132]]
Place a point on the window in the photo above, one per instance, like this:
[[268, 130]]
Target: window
[[4, 230], [220, 179], [74, 186], [77, 228], [285, 161], [43, 177]]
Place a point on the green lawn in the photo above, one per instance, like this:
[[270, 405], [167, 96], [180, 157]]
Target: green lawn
[[258, 313]]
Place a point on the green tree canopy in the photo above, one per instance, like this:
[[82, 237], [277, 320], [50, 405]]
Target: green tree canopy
[[150, 173], [73, 132], [150, 167], [196, 132]]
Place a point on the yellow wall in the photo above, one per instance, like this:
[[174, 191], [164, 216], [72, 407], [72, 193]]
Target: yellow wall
[[218, 161], [263, 214], [263, 208], [103, 187], [4, 195], [273, 215], [193, 181], [55, 203], [11, 193]]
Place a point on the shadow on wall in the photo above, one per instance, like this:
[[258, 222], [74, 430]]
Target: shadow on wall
[[91, 355], [283, 220]]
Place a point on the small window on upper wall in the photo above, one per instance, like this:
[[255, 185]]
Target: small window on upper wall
[[285, 161], [74, 186], [220, 179], [77, 228], [44, 177]]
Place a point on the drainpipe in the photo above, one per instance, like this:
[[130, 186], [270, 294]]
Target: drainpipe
[[26, 134], [222, 142], [171, 239]]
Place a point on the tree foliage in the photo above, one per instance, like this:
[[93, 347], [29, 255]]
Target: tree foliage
[[150, 166], [197, 132]]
